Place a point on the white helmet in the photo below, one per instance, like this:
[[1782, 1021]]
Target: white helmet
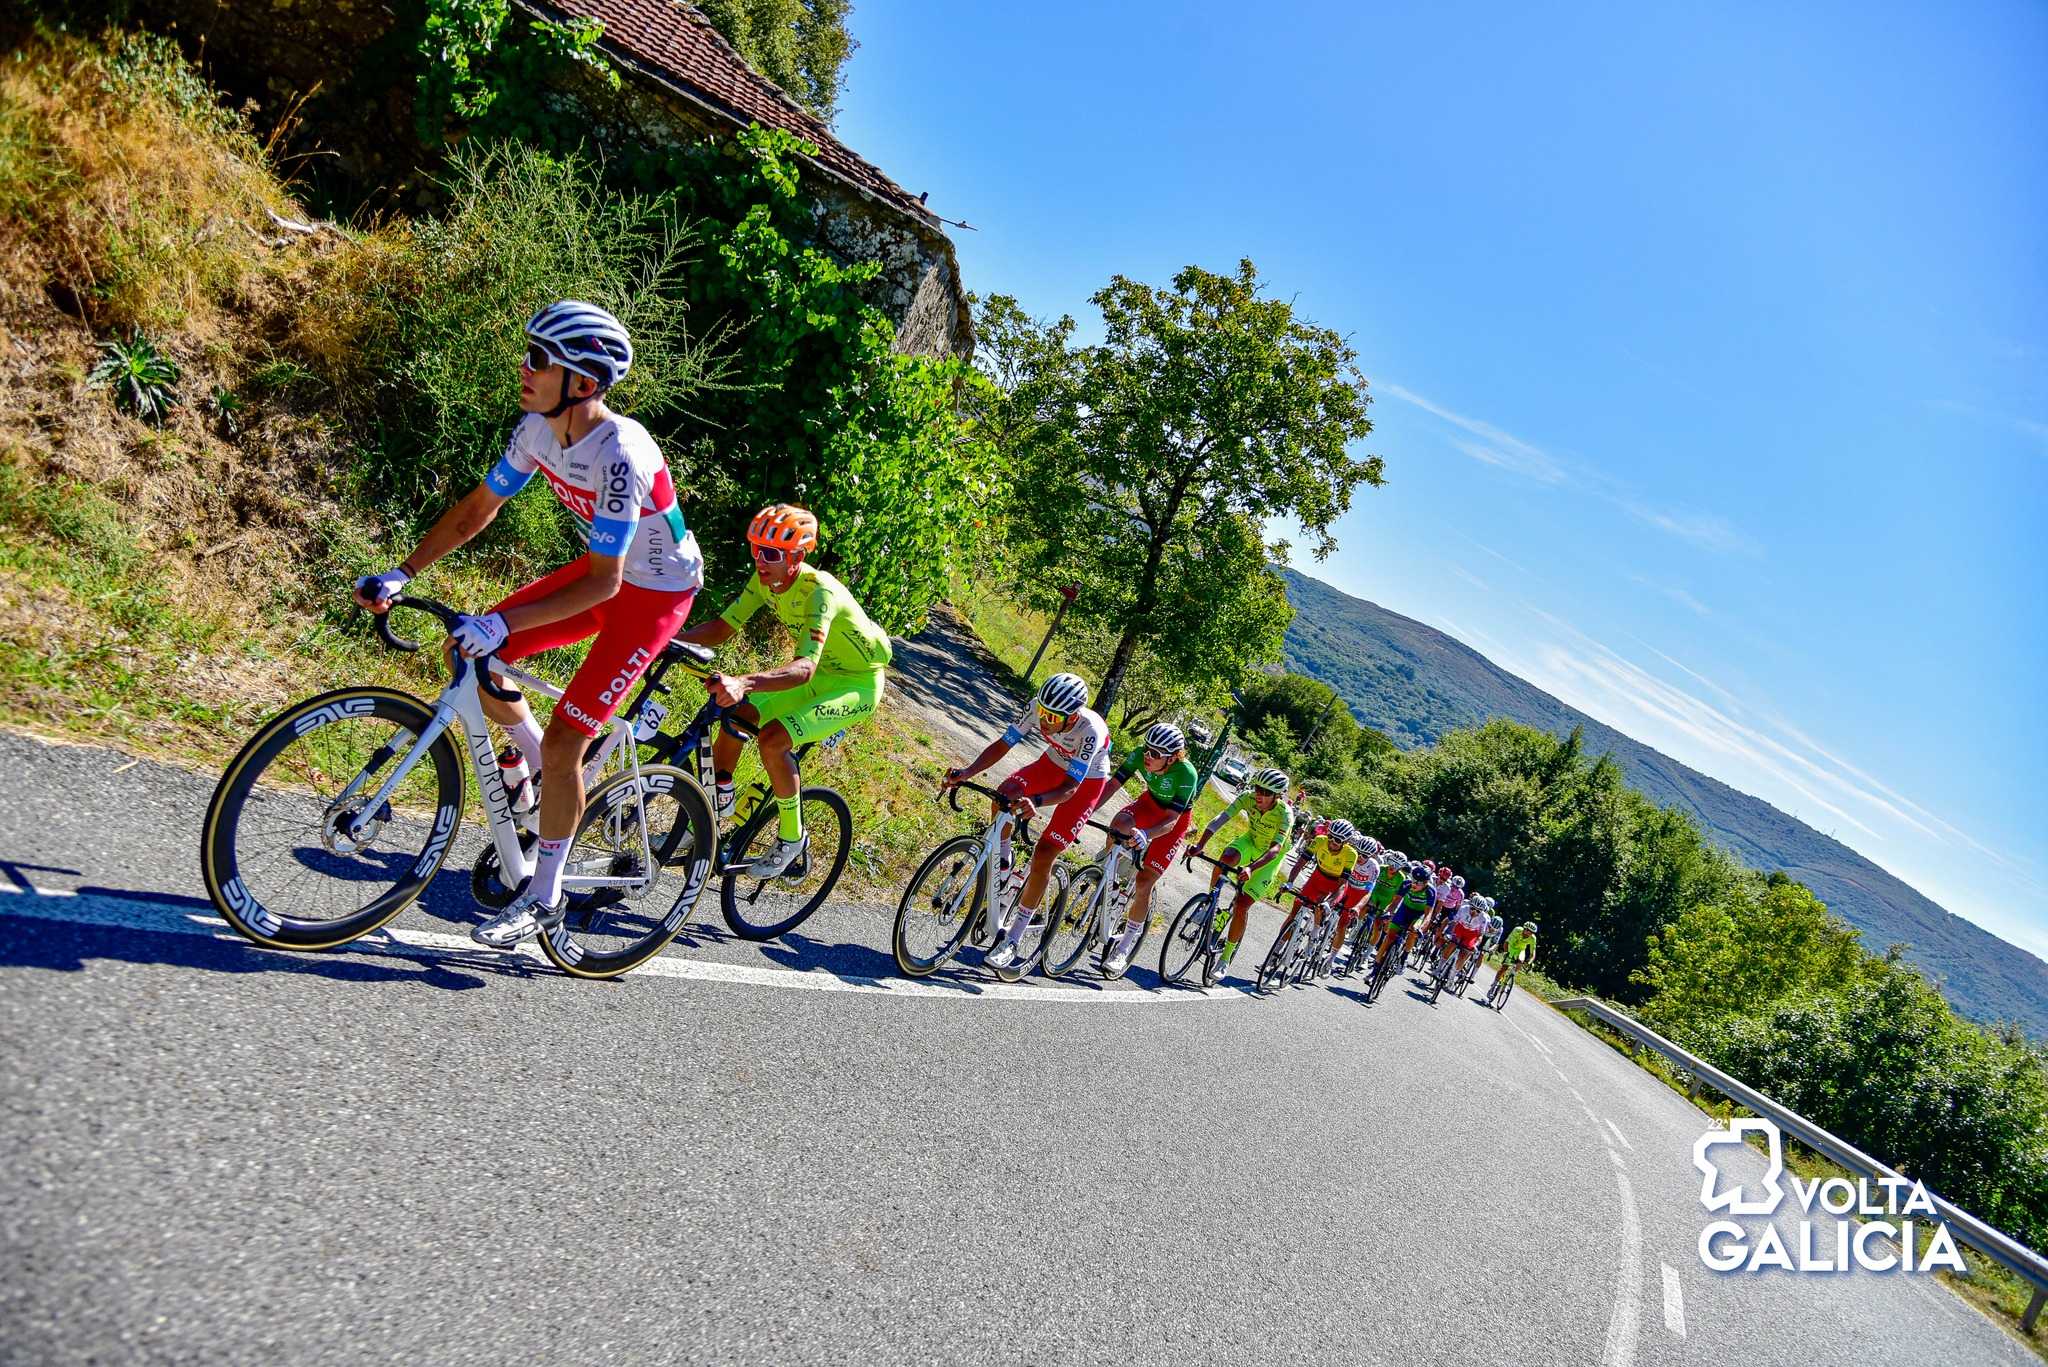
[[1165, 739], [1341, 831], [1270, 780], [583, 338], [1458, 881], [1065, 694]]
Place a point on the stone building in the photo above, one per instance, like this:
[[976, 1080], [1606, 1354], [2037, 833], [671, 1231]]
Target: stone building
[[681, 82]]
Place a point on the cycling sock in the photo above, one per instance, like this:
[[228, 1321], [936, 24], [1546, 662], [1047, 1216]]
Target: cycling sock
[[789, 817], [1229, 950], [526, 735], [547, 874], [1129, 937]]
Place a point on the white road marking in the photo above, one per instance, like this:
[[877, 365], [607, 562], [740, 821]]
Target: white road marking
[[427, 944], [1620, 1350], [1622, 1137], [1614, 1157], [1674, 1302], [1538, 1043]]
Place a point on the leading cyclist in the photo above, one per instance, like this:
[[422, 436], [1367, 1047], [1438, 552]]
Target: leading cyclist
[[632, 591]]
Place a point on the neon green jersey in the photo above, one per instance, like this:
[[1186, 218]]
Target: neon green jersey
[[827, 624], [1266, 828]]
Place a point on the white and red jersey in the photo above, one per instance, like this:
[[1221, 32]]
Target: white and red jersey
[[616, 486], [1470, 917], [1082, 749], [1365, 872]]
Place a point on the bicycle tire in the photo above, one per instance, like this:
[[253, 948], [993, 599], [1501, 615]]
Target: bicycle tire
[[1188, 938], [1273, 968], [1072, 917], [221, 860], [603, 935], [824, 812], [953, 907], [1507, 989]]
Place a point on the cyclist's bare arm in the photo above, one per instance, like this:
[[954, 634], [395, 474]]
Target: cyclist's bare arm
[[459, 525]]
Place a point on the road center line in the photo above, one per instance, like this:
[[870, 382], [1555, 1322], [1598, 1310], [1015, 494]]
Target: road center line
[[1674, 1302], [1620, 1349], [1622, 1137], [134, 911]]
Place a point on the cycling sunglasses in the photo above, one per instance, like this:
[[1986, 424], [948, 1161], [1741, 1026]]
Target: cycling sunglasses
[[1048, 717], [770, 555], [537, 357]]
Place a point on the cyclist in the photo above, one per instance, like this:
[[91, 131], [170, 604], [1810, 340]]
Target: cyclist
[[1331, 852], [1268, 823], [1450, 895], [1386, 890], [632, 591], [1069, 777], [1468, 924], [833, 681], [1495, 927], [1357, 884], [1518, 953], [1158, 818], [1413, 905]]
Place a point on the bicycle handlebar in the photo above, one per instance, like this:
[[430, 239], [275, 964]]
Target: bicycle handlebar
[[448, 617]]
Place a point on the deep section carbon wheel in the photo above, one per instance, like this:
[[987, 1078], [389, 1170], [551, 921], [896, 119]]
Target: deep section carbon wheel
[[655, 829], [293, 851]]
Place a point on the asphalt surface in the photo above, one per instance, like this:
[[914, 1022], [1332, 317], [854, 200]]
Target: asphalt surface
[[423, 1152]]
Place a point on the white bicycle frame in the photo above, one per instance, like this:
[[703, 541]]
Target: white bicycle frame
[[1106, 905], [461, 702]]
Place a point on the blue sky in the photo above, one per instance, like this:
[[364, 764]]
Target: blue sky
[[1710, 349]]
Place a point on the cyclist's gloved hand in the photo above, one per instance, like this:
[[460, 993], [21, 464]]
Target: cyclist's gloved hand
[[476, 636], [380, 588]]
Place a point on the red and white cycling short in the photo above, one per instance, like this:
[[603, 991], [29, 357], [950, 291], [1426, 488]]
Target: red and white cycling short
[[1351, 895], [1319, 886], [1467, 936], [1145, 814], [1043, 775], [632, 628]]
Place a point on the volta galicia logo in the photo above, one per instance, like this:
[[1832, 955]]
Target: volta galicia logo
[[1883, 1238]]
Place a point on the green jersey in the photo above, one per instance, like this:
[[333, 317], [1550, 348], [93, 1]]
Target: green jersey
[[1519, 940], [1174, 789], [1266, 828], [827, 624], [1386, 889]]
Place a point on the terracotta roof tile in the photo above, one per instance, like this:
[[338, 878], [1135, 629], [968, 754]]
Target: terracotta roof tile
[[678, 41]]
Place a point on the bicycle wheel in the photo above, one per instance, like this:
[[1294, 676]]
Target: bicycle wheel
[[1071, 926], [1186, 942], [942, 903], [1273, 968], [281, 855], [763, 908], [1507, 989], [610, 930]]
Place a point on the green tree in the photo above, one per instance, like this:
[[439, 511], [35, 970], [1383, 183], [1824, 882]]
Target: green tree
[[1149, 464], [801, 45], [1761, 940]]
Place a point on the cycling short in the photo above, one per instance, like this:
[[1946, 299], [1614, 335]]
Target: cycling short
[[1404, 917], [1467, 936], [632, 628], [1147, 813], [821, 707], [1350, 896], [1259, 885], [1043, 775], [1318, 886]]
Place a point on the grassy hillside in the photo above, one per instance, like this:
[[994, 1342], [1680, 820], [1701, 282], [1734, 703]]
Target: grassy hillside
[[1415, 683]]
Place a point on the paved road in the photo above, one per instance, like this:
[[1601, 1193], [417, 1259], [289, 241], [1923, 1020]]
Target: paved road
[[422, 1152]]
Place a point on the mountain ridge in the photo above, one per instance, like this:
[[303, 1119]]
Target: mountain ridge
[[1415, 682]]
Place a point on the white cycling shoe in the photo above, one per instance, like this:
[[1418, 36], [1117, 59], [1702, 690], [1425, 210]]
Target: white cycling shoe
[[777, 861], [524, 917]]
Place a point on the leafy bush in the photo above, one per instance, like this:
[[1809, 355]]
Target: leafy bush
[[427, 324]]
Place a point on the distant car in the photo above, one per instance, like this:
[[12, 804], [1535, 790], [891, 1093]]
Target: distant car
[[1199, 733], [1233, 770]]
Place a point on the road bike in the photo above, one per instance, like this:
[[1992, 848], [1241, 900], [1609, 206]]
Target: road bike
[[1504, 987], [756, 908], [1288, 954], [1194, 942], [1387, 965], [1089, 915], [1364, 927], [341, 809], [958, 894]]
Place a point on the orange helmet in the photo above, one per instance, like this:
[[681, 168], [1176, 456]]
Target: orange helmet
[[784, 527]]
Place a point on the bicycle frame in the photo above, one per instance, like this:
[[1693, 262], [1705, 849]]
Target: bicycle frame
[[461, 703]]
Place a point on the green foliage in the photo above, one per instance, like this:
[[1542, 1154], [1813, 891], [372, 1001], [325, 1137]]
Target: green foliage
[[227, 409], [1149, 465], [449, 303], [144, 379], [801, 45], [832, 416], [1759, 941], [476, 75]]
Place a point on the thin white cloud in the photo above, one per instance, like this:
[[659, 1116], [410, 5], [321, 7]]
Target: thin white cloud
[[1502, 449], [1676, 595], [1707, 530], [1474, 580]]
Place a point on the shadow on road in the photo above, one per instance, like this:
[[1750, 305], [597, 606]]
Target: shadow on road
[[40, 940]]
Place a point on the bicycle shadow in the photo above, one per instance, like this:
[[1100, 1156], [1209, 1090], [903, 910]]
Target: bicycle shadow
[[63, 932]]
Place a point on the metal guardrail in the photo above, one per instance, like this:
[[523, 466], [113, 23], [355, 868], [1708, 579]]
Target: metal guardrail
[[1994, 1243]]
